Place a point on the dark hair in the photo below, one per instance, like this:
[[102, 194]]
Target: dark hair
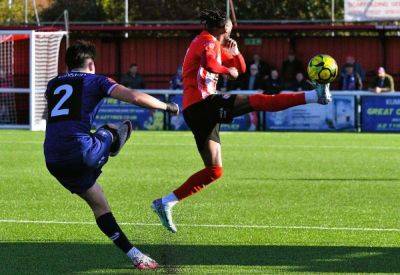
[[78, 53], [213, 19], [133, 65]]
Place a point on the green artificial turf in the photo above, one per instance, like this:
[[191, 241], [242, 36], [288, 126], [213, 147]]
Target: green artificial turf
[[323, 202]]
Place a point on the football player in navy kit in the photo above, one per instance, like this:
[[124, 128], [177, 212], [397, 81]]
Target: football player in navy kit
[[74, 155]]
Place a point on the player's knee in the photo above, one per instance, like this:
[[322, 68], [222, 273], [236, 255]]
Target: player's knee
[[215, 172], [107, 135]]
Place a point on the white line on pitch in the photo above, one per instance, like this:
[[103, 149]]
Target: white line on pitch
[[244, 145], [240, 226]]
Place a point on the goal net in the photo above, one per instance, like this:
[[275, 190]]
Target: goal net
[[8, 110], [28, 60]]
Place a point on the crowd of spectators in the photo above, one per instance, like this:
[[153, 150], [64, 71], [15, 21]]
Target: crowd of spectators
[[260, 76], [291, 76]]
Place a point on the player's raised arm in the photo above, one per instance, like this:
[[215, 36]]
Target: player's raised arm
[[210, 63], [231, 57], [122, 93]]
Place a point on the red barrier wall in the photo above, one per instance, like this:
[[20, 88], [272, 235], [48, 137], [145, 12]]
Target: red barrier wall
[[158, 58], [393, 55]]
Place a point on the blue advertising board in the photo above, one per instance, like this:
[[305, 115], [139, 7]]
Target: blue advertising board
[[380, 114], [113, 110], [247, 122], [339, 115]]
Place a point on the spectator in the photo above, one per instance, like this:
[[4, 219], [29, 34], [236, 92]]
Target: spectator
[[273, 84], [301, 84], [176, 81], [132, 79], [253, 81], [290, 67], [382, 83], [224, 84], [350, 60], [350, 80], [263, 67]]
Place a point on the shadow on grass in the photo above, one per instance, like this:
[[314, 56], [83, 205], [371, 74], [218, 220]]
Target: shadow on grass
[[16, 258]]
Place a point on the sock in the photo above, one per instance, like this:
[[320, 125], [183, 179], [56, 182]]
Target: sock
[[275, 103], [108, 225], [170, 199], [311, 96], [198, 181]]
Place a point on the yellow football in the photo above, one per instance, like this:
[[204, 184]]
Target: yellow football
[[322, 69]]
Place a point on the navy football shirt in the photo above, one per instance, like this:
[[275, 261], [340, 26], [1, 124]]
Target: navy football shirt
[[73, 101]]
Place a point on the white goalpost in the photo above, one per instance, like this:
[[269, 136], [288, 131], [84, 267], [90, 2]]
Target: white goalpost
[[28, 60]]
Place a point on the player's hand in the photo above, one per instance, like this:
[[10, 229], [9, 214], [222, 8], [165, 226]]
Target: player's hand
[[232, 46], [172, 108], [233, 72]]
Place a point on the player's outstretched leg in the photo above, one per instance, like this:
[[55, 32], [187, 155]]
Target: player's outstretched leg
[[279, 102], [105, 220], [121, 133]]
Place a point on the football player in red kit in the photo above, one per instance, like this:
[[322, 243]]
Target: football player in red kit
[[210, 54]]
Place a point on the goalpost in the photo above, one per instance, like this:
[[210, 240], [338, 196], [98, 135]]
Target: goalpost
[[28, 60]]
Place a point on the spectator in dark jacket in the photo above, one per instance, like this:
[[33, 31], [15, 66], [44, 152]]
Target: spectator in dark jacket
[[350, 80], [132, 79], [290, 67], [273, 84], [253, 81], [301, 84], [350, 60], [263, 68], [176, 81], [382, 83]]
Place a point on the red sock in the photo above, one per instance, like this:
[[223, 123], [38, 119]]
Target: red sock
[[274, 103], [198, 181]]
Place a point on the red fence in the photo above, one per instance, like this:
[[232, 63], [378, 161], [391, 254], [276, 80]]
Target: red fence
[[158, 58]]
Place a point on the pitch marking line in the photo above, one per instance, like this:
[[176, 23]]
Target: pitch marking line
[[237, 226], [391, 148]]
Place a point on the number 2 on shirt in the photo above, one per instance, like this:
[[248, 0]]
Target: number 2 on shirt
[[57, 111], [64, 99]]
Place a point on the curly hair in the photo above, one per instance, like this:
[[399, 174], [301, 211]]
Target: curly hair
[[213, 19]]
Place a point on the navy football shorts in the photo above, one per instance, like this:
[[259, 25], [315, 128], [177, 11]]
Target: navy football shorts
[[80, 173]]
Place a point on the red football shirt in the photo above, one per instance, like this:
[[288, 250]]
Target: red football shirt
[[205, 59]]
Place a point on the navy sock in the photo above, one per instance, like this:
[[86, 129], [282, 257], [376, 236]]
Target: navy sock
[[108, 225]]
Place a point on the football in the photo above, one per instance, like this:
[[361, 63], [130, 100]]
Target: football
[[322, 69]]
